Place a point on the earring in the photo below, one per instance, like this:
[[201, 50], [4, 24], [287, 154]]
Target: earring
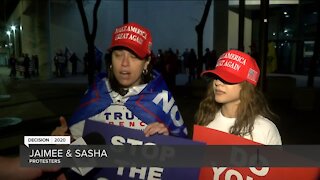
[[110, 67], [144, 71]]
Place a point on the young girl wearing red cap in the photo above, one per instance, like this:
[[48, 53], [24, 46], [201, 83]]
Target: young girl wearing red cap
[[233, 104]]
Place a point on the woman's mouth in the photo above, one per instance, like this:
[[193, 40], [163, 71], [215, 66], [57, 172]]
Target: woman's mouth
[[219, 92]]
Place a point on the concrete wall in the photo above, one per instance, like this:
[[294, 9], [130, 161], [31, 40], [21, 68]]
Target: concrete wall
[[34, 16], [233, 22]]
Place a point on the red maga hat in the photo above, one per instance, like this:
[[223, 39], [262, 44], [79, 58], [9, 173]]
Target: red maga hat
[[134, 37], [235, 66]]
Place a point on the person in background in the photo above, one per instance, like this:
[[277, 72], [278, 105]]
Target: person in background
[[26, 65], [13, 66], [234, 104], [192, 65], [74, 61], [36, 64]]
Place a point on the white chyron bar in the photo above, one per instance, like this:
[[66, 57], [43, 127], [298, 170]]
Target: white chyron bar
[[46, 140]]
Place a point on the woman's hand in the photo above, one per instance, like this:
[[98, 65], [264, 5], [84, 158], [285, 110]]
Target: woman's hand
[[154, 128], [61, 130]]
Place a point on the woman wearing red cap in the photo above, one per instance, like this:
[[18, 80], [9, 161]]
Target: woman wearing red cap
[[132, 95], [233, 104]]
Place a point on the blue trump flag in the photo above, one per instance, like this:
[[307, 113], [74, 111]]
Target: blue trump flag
[[153, 104]]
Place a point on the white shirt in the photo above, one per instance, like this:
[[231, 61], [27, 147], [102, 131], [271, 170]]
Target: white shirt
[[264, 131]]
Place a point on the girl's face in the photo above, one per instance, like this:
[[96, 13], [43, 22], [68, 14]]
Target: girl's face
[[226, 93], [127, 67]]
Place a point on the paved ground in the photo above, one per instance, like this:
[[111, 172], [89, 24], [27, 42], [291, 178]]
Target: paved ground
[[39, 104]]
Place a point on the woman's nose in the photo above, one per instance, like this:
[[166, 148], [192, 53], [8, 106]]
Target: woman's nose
[[125, 60], [217, 82]]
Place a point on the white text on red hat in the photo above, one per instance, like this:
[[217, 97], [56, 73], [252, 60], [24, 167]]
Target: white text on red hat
[[131, 29], [234, 57], [229, 64], [129, 36]]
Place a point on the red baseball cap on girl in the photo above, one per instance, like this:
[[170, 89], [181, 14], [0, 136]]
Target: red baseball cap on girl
[[133, 36], [235, 66]]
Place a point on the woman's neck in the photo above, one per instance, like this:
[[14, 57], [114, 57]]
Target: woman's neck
[[230, 109]]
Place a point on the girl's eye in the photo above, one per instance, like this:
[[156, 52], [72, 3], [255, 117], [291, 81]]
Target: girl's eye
[[117, 54], [133, 56]]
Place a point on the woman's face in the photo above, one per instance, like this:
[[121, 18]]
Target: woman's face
[[127, 67], [226, 93]]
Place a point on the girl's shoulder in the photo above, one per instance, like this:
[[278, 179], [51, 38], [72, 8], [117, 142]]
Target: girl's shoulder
[[264, 123], [266, 132]]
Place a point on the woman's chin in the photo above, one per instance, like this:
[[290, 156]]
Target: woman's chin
[[125, 83]]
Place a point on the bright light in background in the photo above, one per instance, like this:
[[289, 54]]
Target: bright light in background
[[8, 33], [13, 28], [286, 14]]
